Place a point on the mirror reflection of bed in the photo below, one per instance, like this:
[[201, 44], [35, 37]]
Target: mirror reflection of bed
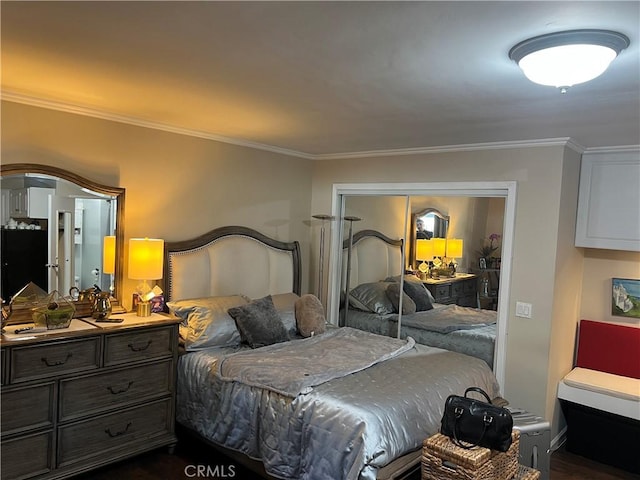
[[261, 405], [463, 319], [376, 263]]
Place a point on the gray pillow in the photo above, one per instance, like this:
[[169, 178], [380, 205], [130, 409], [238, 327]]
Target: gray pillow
[[408, 305], [259, 323], [285, 306], [371, 297], [310, 316], [414, 287]]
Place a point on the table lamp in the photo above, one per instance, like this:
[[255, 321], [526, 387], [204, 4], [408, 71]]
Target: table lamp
[[424, 252], [109, 258], [145, 263], [454, 250]]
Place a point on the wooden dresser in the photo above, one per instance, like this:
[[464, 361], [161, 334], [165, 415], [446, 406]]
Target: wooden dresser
[[461, 289], [82, 397]]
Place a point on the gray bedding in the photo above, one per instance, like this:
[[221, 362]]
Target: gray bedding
[[335, 354], [344, 428], [460, 329]]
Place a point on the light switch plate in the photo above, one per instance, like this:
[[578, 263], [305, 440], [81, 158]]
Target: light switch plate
[[523, 310]]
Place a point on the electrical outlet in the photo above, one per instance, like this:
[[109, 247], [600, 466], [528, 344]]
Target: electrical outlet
[[523, 310]]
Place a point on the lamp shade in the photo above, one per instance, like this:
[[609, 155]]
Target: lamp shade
[[563, 59], [145, 258], [439, 247], [424, 250], [109, 255], [454, 248]]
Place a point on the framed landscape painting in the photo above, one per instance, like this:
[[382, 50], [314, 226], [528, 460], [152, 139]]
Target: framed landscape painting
[[625, 300]]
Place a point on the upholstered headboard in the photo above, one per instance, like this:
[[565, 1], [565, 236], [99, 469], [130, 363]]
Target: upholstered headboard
[[228, 261], [374, 257]]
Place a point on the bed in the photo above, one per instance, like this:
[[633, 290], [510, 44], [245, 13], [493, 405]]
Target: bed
[[354, 405], [375, 262]]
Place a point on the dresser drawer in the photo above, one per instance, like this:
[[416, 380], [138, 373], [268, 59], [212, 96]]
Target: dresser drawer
[[470, 287], [94, 393], [26, 456], [122, 430], [442, 293], [51, 359], [27, 408], [457, 288], [3, 366], [140, 345]]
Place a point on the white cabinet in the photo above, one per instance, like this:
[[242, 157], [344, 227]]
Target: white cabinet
[[31, 202], [609, 200]]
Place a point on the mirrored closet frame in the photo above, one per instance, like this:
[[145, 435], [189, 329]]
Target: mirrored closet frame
[[505, 189], [117, 192]]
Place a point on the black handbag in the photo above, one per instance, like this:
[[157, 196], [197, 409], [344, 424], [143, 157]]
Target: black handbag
[[470, 422]]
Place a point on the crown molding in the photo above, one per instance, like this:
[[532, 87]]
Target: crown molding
[[614, 149], [545, 142], [103, 115]]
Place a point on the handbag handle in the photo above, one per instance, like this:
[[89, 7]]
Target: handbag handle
[[478, 390], [486, 420]]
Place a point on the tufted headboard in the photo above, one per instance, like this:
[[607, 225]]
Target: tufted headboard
[[374, 257], [228, 261]]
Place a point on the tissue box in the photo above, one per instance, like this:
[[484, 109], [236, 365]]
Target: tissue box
[[157, 303]]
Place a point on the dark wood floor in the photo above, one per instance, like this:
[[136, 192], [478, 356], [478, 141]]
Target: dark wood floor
[[191, 455]]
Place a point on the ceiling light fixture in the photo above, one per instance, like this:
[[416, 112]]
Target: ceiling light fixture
[[564, 59]]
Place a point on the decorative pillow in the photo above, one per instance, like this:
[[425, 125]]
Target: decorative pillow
[[285, 306], [371, 297], [408, 305], [259, 323], [205, 321], [414, 287], [310, 316]]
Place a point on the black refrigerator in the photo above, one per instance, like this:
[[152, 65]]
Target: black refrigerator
[[23, 260]]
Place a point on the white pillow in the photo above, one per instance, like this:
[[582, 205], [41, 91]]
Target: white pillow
[[205, 321]]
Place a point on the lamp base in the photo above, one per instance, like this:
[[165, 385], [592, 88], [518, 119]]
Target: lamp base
[[143, 309]]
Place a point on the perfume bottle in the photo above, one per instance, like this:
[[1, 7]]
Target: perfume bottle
[[484, 287]]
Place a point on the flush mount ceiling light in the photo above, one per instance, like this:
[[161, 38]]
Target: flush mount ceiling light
[[563, 59]]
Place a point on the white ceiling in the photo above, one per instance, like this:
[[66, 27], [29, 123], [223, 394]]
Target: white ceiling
[[320, 78]]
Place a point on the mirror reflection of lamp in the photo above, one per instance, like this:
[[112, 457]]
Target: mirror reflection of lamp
[[453, 251], [109, 259], [145, 263], [424, 252]]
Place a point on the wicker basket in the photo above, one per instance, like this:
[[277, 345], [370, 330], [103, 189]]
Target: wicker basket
[[526, 473], [443, 460]]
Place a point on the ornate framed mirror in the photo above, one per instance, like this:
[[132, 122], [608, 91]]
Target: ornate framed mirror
[[77, 215], [427, 223]]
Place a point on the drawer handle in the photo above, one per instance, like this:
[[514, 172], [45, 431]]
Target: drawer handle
[[57, 362], [135, 348], [117, 434], [122, 390]]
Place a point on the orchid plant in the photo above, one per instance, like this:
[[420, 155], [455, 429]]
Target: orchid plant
[[490, 245]]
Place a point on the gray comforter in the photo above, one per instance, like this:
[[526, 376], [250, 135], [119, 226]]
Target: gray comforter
[[344, 428], [335, 354], [449, 318], [467, 330]]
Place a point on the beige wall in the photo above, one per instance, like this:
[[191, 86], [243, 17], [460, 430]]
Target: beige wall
[[600, 266], [177, 187]]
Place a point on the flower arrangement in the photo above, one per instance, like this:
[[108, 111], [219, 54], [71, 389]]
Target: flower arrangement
[[489, 245]]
